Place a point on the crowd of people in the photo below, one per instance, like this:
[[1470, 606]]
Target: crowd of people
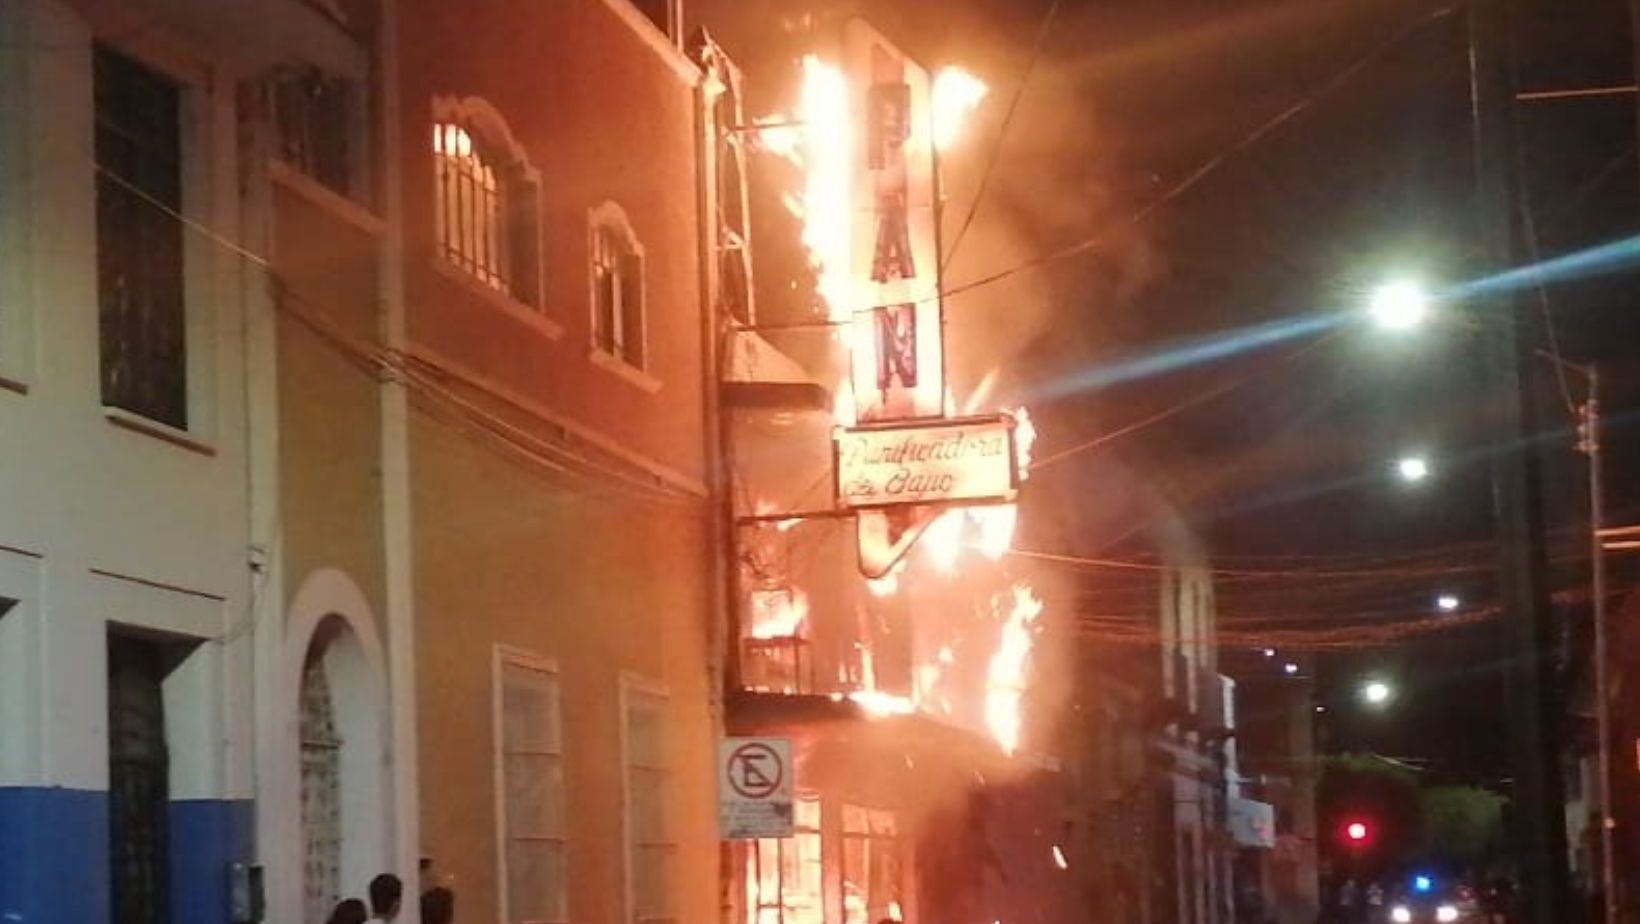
[[438, 904]]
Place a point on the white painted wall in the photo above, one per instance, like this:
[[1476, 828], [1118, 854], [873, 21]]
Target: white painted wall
[[112, 524]]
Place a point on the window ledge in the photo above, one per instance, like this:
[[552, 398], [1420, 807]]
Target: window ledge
[[128, 420], [326, 198], [624, 370], [533, 317]]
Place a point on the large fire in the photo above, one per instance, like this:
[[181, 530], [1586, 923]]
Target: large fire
[[1006, 678], [819, 138]]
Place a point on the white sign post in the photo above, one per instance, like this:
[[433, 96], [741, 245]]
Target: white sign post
[[754, 787], [947, 461]]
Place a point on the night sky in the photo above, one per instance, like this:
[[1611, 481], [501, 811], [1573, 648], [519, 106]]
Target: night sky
[[1144, 130]]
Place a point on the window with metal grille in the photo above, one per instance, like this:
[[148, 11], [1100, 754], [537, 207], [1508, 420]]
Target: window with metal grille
[[313, 119], [138, 782], [784, 875], [651, 850], [140, 288], [530, 774], [321, 747], [485, 212], [871, 865], [617, 286]]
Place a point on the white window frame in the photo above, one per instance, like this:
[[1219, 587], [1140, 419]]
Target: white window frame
[[634, 688], [609, 218], [503, 658], [199, 127]]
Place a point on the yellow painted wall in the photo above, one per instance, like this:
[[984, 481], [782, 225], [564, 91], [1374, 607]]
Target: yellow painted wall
[[574, 571]]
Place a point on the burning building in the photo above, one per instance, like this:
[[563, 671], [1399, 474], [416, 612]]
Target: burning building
[[875, 619]]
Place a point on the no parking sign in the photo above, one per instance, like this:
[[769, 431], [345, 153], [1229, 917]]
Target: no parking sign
[[755, 787]]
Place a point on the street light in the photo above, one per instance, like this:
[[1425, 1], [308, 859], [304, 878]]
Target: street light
[[1399, 306], [1376, 692], [1412, 469], [1447, 603]]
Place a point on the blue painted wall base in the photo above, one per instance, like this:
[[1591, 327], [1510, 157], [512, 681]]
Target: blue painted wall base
[[54, 856]]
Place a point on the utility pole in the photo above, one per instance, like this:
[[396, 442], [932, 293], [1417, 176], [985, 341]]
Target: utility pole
[[1590, 444], [1540, 830]]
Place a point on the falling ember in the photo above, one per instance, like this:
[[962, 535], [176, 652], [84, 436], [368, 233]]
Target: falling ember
[[1005, 680], [1059, 858], [956, 93]]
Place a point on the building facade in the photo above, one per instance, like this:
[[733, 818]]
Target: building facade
[[556, 395]]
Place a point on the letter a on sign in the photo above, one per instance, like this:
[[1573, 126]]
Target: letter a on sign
[[755, 787]]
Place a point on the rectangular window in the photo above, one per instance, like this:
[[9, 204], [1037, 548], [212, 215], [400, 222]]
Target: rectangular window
[[313, 116], [871, 865], [530, 771], [651, 849], [617, 289], [783, 876], [140, 291]]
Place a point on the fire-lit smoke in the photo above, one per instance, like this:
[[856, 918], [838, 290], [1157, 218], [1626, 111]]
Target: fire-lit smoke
[[1008, 674], [956, 93]]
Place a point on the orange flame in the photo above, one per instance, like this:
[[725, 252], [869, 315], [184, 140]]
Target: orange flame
[[1006, 678]]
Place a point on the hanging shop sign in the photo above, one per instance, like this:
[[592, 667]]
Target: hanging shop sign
[[965, 459]]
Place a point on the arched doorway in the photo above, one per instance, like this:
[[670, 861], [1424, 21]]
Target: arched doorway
[[343, 780]]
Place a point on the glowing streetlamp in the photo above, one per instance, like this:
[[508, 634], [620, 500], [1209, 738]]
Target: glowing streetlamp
[[1376, 692], [1412, 469], [1399, 306], [1448, 603]]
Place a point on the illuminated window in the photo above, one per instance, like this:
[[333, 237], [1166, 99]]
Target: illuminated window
[[531, 801], [783, 876], [871, 866], [651, 850], [617, 285], [486, 205]]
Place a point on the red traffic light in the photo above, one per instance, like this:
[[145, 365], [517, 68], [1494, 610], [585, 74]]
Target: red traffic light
[[1356, 832]]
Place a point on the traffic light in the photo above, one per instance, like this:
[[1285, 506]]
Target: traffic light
[[1357, 833]]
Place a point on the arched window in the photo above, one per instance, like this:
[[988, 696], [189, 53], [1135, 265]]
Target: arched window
[[617, 275], [486, 202], [321, 745]]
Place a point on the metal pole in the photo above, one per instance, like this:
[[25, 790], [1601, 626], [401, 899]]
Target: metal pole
[[1531, 697], [1602, 683]]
